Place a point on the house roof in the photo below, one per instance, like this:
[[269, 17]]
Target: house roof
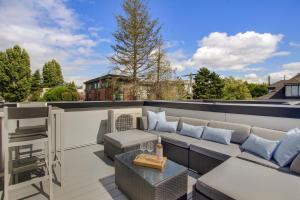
[[278, 86], [107, 76], [294, 80]]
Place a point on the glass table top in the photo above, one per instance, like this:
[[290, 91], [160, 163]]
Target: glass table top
[[153, 176]]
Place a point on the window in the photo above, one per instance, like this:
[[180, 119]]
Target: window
[[295, 91], [288, 91], [292, 90]]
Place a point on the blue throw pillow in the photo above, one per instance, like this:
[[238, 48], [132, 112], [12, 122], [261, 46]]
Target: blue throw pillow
[[260, 146], [288, 148], [170, 127], [153, 118], [219, 135], [191, 131]]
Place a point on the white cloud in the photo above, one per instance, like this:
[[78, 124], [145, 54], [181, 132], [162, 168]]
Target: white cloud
[[288, 71], [178, 59], [254, 78], [172, 43], [294, 44], [48, 29], [220, 51]]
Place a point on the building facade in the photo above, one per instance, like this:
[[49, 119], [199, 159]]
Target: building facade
[[284, 89], [109, 87]]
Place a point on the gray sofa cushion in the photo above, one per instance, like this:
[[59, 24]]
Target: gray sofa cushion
[[256, 159], [215, 150], [241, 131], [240, 179], [267, 133], [129, 138], [178, 140], [192, 121], [295, 166]]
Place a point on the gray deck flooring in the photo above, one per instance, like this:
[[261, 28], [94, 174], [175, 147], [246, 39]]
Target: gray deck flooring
[[88, 175]]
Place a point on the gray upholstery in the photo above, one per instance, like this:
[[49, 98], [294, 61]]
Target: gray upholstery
[[192, 121], [241, 131], [129, 137], [172, 118], [258, 160], [142, 123], [178, 140], [244, 180], [267, 133], [215, 150], [295, 166]]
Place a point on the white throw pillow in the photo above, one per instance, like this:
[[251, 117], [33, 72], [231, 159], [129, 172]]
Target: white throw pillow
[[153, 118]]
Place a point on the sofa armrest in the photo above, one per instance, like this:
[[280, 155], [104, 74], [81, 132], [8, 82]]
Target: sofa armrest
[[142, 123]]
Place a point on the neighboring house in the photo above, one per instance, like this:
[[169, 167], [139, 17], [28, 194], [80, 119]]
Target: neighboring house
[[284, 89], [108, 87]]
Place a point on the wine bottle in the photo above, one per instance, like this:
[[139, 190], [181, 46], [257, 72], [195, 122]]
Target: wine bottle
[[159, 149]]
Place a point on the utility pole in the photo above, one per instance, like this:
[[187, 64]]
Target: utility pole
[[190, 86]]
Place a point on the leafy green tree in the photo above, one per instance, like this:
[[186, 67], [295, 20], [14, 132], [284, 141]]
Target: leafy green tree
[[235, 89], [15, 74], [136, 38], [257, 90], [61, 93], [208, 85], [52, 75], [36, 86]]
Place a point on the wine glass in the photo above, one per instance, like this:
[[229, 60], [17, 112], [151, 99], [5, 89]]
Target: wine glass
[[143, 147], [150, 147]]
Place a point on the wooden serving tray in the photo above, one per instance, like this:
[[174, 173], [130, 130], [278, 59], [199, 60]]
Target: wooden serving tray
[[151, 161]]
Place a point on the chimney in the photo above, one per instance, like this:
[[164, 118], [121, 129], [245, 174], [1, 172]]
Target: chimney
[[269, 80]]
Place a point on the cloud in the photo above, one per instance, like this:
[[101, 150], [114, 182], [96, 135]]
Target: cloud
[[173, 43], [178, 59], [254, 78], [48, 29], [287, 71], [294, 44], [220, 51]]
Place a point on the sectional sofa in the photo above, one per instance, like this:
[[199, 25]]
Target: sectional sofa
[[227, 171]]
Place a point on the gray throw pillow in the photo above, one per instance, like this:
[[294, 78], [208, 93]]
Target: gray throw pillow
[[191, 131], [170, 127], [219, 135], [153, 118], [260, 146]]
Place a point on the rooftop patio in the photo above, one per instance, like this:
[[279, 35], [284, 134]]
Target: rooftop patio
[[88, 174], [80, 127]]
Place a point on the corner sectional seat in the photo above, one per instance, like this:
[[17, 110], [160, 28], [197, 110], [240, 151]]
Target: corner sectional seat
[[240, 179], [228, 172], [119, 142]]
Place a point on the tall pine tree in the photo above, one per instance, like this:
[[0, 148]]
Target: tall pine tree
[[208, 85], [36, 84], [15, 74], [136, 38], [52, 75]]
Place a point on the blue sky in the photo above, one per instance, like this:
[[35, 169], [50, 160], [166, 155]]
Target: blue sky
[[245, 39]]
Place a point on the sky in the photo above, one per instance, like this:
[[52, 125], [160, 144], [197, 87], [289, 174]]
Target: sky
[[245, 39]]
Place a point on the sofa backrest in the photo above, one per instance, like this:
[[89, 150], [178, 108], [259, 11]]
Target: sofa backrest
[[267, 133], [240, 131], [295, 166], [191, 121]]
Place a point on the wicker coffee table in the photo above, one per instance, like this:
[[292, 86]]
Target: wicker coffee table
[[144, 183]]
